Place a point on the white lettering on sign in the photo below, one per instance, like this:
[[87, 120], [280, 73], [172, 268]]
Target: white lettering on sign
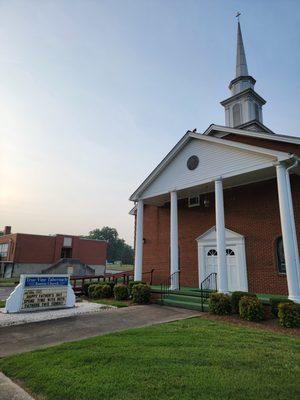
[[40, 292]]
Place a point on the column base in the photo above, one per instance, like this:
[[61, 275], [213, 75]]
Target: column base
[[295, 299]]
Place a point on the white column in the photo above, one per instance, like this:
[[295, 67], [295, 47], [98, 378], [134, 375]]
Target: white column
[[293, 224], [287, 234], [221, 245], [174, 240], [138, 262]]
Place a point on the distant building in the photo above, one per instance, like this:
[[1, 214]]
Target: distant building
[[23, 253]]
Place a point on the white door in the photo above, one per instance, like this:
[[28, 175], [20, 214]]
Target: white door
[[211, 265], [232, 272]]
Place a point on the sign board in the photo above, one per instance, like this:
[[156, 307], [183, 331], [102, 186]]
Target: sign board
[[41, 292]]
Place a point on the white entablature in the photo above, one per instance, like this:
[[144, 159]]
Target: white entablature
[[217, 157]]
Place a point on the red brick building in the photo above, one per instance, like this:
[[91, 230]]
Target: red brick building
[[28, 253], [225, 203]]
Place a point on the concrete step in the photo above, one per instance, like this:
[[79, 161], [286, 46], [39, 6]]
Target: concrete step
[[183, 304], [188, 298]]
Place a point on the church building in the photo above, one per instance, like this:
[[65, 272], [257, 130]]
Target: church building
[[224, 203]]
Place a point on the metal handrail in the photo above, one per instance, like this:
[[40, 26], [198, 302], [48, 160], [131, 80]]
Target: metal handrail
[[208, 285], [166, 285], [151, 275]]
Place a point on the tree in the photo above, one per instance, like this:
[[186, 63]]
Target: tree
[[117, 249]]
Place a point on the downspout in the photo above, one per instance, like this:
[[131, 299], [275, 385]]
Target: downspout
[[290, 168]]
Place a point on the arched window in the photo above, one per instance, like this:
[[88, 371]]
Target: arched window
[[229, 252], [212, 252], [236, 111], [280, 256]]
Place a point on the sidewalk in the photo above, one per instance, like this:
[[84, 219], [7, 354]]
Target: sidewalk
[[32, 336], [10, 391]]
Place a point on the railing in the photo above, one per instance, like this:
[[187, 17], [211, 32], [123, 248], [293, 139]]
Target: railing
[[77, 282], [172, 283], [208, 285], [151, 275]]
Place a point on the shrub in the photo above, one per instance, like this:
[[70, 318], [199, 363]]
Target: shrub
[[85, 288], [121, 292], [99, 291], [251, 309], [274, 302], [220, 304], [289, 315], [132, 283], [91, 289], [235, 299], [141, 293]]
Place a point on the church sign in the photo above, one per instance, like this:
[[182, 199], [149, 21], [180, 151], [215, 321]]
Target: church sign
[[41, 292]]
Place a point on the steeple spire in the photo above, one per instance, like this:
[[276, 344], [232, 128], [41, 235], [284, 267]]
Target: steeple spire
[[241, 62], [243, 109]]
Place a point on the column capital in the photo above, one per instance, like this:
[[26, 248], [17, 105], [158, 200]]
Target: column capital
[[219, 179]]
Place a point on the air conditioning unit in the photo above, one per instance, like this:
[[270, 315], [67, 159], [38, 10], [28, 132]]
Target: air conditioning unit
[[194, 201]]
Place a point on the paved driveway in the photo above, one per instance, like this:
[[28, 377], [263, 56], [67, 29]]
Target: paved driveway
[[5, 292], [27, 337]]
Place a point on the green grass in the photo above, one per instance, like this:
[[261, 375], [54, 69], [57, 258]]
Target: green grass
[[9, 281], [191, 359], [110, 302], [123, 267], [2, 303]]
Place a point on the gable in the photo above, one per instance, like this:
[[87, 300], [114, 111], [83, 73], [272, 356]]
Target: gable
[[210, 236], [215, 159]]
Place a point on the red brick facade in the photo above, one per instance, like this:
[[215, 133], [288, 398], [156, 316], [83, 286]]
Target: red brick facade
[[40, 249], [250, 210]]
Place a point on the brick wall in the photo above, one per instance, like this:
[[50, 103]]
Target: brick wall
[[251, 210]]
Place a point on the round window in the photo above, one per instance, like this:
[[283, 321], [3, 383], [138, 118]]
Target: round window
[[192, 162]]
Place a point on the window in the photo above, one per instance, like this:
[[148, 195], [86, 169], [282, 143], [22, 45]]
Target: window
[[256, 109], [212, 252], [280, 256], [3, 250], [194, 201], [229, 252], [66, 252], [236, 111]]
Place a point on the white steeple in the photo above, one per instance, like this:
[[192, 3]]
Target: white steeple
[[241, 62], [244, 108]]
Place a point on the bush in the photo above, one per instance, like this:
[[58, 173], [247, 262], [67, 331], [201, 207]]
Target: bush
[[289, 315], [274, 302], [91, 289], [132, 283], [99, 291], [85, 288], [235, 299], [220, 304], [121, 292], [141, 293], [251, 309]]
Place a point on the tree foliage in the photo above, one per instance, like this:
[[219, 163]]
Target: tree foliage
[[117, 249]]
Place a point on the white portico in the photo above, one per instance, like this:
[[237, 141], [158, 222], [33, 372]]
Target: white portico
[[218, 164]]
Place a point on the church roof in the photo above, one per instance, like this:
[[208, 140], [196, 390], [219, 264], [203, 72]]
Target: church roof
[[213, 129], [207, 136]]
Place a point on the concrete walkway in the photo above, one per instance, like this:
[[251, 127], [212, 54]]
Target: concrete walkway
[[10, 391], [27, 337]]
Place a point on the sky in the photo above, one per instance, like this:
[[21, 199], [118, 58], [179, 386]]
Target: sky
[[94, 93]]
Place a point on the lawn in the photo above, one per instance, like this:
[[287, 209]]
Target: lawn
[[122, 267], [111, 302], [190, 359]]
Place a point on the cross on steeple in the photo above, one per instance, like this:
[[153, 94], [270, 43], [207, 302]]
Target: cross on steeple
[[238, 16]]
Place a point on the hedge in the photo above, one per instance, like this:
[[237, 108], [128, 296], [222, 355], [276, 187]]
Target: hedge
[[132, 283], [274, 302], [141, 293], [289, 315], [121, 292], [251, 309], [99, 291], [220, 304], [235, 299]]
